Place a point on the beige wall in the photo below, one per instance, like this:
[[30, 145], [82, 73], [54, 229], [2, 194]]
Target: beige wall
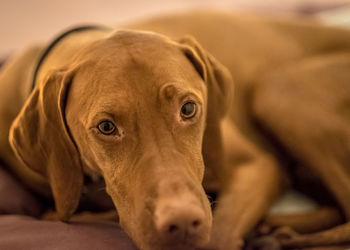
[[27, 21]]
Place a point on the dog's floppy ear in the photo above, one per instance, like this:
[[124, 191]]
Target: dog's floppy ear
[[41, 140], [220, 91], [216, 76]]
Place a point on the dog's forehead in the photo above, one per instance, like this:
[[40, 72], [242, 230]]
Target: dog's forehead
[[129, 66], [141, 60], [144, 51], [137, 46]]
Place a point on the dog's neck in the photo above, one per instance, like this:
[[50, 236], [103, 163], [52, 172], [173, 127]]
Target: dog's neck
[[64, 50]]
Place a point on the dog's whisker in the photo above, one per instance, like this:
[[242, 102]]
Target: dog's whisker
[[101, 189]]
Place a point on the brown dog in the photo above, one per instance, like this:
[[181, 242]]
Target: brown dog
[[147, 113]]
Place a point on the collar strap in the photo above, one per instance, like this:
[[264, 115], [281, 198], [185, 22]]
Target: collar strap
[[57, 40]]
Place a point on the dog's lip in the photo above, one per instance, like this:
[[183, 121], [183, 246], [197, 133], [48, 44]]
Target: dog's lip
[[186, 244], [179, 246]]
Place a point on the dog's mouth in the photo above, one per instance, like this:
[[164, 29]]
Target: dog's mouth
[[188, 241], [177, 236], [181, 246], [181, 222], [164, 207]]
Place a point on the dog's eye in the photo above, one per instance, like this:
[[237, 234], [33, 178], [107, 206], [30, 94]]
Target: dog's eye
[[106, 127], [188, 110]]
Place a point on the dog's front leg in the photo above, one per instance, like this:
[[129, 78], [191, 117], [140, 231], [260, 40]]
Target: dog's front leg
[[249, 193], [335, 237]]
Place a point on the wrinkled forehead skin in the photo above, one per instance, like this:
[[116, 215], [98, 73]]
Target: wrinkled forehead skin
[[139, 81], [129, 62]]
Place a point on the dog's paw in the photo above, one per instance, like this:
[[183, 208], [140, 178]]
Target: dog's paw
[[272, 241], [284, 233]]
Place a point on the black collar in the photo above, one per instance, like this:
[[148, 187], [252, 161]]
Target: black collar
[[57, 40]]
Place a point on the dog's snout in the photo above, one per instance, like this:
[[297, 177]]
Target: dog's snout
[[180, 222]]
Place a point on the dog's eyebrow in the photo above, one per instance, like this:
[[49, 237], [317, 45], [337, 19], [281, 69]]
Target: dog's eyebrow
[[95, 118], [116, 108], [171, 90], [111, 110], [104, 114], [113, 102], [192, 94]]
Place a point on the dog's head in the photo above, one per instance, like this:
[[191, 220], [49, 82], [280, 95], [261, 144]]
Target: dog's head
[[134, 108]]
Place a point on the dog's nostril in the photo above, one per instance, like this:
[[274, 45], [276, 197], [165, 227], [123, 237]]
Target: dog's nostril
[[196, 223], [173, 228], [181, 224]]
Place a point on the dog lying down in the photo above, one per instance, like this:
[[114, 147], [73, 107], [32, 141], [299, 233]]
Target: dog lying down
[[151, 109]]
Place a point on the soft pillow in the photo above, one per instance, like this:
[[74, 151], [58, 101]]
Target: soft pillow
[[22, 232], [15, 198]]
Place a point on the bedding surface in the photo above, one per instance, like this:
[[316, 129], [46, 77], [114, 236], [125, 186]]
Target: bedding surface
[[20, 229]]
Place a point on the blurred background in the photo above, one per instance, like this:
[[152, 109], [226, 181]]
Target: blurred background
[[28, 21]]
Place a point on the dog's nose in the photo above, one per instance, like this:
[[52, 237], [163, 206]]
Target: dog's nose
[[183, 224]]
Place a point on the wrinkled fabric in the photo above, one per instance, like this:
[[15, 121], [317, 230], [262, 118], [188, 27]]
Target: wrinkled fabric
[[16, 199], [23, 232]]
